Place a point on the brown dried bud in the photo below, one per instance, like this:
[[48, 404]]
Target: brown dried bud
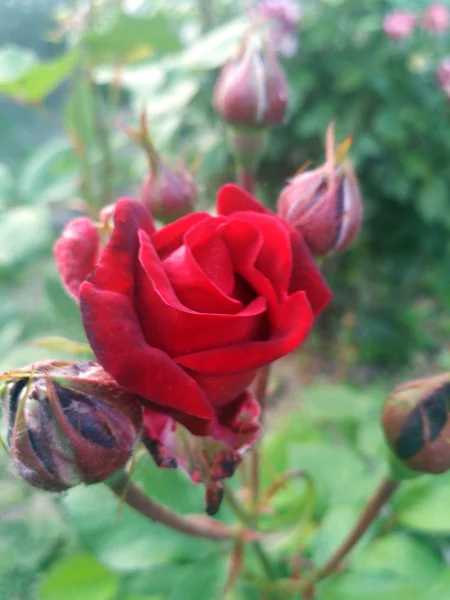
[[252, 89], [416, 423], [68, 423], [324, 204]]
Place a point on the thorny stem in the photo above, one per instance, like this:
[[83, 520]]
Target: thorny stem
[[139, 501], [371, 510]]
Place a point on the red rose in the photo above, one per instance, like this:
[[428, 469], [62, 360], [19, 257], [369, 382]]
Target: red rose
[[185, 316]]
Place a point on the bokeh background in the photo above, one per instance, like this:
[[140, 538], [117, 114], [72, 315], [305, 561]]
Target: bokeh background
[[71, 79]]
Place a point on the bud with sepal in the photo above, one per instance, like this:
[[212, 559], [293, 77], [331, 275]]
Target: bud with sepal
[[324, 204], [252, 90], [416, 423], [68, 423]]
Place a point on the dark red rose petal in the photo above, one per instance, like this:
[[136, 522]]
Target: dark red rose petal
[[221, 390], [231, 199], [274, 258], [171, 237], [115, 334], [292, 331], [76, 253], [244, 242], [306, 276], [199, 285], [168, 324]]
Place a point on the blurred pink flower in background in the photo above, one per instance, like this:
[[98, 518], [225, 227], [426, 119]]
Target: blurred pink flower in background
[[443, 76], [284, 17], [436, 18], [399, 24]]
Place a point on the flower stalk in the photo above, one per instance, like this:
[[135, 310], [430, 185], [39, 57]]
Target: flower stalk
[[382, 495]]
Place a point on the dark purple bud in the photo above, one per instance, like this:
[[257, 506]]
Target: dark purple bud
[[68, 423]]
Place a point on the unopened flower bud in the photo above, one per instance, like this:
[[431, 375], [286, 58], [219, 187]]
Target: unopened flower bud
[[399, 24], [68, 423], [252, 89], [168, 192], [417, 426], [436, 19], [324, 204], [443, 76]]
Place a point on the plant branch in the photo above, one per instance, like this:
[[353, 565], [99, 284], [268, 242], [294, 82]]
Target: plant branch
[[139, 501], [370, 512], [247, 180], [247, 520]]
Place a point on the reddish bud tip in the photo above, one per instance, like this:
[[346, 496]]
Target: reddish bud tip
[[416, 423], [68, 423], [252, 89], [325, 204], [169, 193]]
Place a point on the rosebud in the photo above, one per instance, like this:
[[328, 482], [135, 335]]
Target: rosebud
[[443, 76], [416, 423], [284, 18], [399, 24], [168, 193], [252, 89], [68, 423], [324, 204], [436, 19]]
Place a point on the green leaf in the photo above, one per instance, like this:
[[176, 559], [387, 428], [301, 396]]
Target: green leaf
[[334, 528], [424, 506], [124, 540], [24, 232], [215, 48], [49, 175], [79, 576], [205, 580], [25, 79], [339, 475], [401, 555], [127, 33], [6, 185], [366, 586]]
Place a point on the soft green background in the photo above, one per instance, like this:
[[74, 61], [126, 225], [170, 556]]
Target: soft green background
[[389, 318]]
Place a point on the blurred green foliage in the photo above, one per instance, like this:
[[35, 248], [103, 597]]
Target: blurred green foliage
[[64, 153]]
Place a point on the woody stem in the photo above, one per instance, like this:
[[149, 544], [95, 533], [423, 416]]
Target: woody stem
[[146, 506], [370, 512]]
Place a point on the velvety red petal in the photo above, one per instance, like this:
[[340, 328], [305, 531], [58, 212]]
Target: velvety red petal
[[221, 390], [115, 335], [231, 198], [171, 237], [113, 329], [76, 253], [115, 271], [178, 330], [291, 332], [196, 285], [306, 275], [274, 258], [211, 252], [244, 242]]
